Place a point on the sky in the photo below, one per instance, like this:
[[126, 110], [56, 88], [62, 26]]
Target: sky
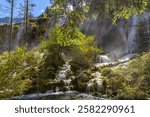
[[40, 6]]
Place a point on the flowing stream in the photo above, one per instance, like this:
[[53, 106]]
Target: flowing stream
[[59, 95]]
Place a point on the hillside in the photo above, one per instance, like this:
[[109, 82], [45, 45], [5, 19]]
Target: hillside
[[79, 50]]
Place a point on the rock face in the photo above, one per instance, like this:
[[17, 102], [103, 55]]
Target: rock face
[[144, 32], [125, 37], [112, 38], [36, 28]]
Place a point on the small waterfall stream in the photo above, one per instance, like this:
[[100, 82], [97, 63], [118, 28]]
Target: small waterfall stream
[[59, 95], [63, 72], [62, 76]]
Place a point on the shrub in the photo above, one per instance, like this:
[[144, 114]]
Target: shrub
[[132, 82], [13, 78], [106, 71]]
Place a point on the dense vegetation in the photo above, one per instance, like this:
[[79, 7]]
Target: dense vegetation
[[131, 82], [35, 70], [25, 71]]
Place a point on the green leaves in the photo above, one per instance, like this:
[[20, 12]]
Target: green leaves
[[16, 71], [116, 9], [86, 9], [132, 82], [11, 68]]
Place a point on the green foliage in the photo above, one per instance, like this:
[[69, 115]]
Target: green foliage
[[113, 9], [116, 9], [132, 82], [133, 8], [24, 71], [86, 9], [71, 41], [106, 71], [13, 79], [81, 81]]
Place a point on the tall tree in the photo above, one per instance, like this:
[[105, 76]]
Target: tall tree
[[28, 8], [26, 19], [11, 21]]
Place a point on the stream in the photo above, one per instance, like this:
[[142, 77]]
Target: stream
[[68, 95], [102, 60], [59, 95]]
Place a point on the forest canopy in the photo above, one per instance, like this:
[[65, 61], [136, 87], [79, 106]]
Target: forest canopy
[[113, 9]]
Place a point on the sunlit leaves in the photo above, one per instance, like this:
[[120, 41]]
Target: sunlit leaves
[[86, 9], [116, 9], [13, 80]]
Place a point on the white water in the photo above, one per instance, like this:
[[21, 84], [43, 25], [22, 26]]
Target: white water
[[132, 36], [103, 59], [68, 95], [63, 72], [62, 76], [19, 35], [126, 58]]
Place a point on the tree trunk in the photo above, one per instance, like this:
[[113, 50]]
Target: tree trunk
[[11, 24], [26, 23]]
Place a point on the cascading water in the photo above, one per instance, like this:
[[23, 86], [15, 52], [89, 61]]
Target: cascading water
[[59, 95], [146, 17], [62, 76], [19, 35], [103, 59], [63, 72], [132, 35], [6, 41]]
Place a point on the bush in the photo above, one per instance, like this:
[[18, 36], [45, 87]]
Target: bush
[[106, 71], [13, 78], [132, 82]]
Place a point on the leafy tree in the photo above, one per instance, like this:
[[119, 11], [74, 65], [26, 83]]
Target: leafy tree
[[68, 36], [113, 9], [116, 9], [70, 40]]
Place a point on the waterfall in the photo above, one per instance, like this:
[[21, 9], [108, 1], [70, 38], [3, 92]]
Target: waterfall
[[6, 41], [146, 17], [103, 59], [62, 76], [122, 28], [132, 35], [19, 35], [63, 72]]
